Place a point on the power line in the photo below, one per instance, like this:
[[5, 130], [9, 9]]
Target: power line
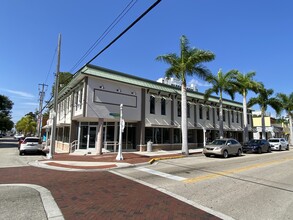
[[106, 32], [123, 32], [53, 58], [113, 41]]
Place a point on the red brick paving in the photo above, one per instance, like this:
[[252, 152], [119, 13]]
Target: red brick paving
[[102, 195]]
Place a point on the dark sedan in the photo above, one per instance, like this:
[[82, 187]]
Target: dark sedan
[[257, 146]]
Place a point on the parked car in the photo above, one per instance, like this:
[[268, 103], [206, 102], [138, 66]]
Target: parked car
[[20, 140], [257, 146], [223, 147], [18, 136], [31, 145], [1, 135], [278, 144]]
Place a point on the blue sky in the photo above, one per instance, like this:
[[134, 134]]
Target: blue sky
[[245, 35]]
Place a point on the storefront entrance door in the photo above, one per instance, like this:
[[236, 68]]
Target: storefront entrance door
[[87, 137]]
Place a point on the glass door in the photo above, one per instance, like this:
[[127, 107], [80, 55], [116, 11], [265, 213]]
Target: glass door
[[92, 137], [87, 137], [83, 137]]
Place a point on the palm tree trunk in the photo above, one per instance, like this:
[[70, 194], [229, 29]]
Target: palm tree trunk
[[221, 123], [184, 128], [245, 124], [263, 126], [291, 129]]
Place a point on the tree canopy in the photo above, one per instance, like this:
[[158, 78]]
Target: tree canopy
[[5, 113]]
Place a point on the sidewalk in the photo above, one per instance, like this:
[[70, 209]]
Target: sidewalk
[[78, 161], [93, 195]]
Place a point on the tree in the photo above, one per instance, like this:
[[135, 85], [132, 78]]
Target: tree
[[221, 83], [64, 79], [188, 63], [27, 125], [5, 113], [287, 105], [264, 100], [245, 83]]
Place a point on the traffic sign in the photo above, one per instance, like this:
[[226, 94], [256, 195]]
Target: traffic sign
[[116, 115]]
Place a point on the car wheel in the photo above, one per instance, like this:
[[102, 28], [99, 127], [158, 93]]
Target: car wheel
[[259, 150], [207, 155], [280, 148], [287, 147], [225, 154], [269, 150], [239, 152]]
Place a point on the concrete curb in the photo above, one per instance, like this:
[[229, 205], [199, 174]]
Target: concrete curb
[[51, 208]]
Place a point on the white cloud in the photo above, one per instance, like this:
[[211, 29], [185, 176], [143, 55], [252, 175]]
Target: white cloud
[[22, 94], [198, 83], [31, 103]]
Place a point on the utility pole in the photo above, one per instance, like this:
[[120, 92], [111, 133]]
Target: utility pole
[[53, 130], [40, 116]]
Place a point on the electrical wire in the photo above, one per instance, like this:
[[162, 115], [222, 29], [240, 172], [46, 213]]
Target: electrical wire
[[53, 58], [106, 32], [115, 39]]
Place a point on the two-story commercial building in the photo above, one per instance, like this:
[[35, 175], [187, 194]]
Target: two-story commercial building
[[151, 111]]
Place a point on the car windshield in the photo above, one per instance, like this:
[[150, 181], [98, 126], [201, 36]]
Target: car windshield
[[274, 140], [219, 142], [254, 141]]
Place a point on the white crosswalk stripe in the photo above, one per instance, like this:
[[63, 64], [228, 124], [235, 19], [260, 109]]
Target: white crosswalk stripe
[[158, 173]]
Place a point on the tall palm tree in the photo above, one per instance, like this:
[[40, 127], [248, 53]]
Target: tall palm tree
[[188, 63], [264, 100], [245, 83], [287, 105], [221, 83]]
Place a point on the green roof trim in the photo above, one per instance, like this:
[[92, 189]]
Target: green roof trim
[[92, 70]]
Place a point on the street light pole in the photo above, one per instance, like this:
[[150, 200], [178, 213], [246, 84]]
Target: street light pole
[[121, 127]]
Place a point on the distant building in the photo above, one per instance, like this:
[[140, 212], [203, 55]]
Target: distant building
[[272, 128]]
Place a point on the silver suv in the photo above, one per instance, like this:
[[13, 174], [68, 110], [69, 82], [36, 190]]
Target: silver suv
[[223, 147], [278, 144]]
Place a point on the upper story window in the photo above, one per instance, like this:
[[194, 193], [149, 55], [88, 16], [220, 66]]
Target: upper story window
[[76, 99], [224, 115], [179, 108], [188, 110], [200, 111], [163, 106], [80, 98], [152, 104], [232, 116], [237, 117], [248, 119], [208, 113]]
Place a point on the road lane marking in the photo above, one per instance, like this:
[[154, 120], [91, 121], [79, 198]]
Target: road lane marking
[[233, 171], [158, 173]]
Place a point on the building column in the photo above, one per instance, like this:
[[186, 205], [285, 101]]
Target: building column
[[99, 139]]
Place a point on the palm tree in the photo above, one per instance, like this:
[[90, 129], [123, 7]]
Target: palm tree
[[264, 100], [188, 63], [287, 105], [245, 83], [221, 83]]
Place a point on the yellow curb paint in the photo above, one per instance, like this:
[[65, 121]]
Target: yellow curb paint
[[238, 170], [164, 158]]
